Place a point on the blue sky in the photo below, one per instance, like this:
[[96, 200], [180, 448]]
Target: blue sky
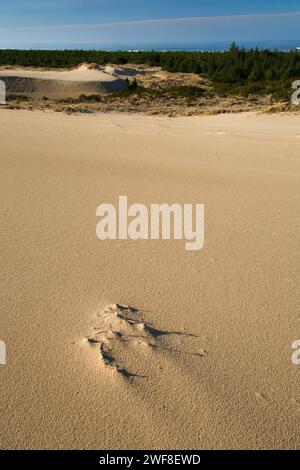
[[142, 21]]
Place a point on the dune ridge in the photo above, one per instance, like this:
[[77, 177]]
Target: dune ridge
[[85, 79]]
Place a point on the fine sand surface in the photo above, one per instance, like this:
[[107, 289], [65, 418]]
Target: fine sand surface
[[60, 83], [205, 361]]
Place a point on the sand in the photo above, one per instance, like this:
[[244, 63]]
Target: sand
[[71, 83], [203, 359]]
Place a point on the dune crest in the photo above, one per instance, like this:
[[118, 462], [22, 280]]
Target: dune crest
[[86, 79]]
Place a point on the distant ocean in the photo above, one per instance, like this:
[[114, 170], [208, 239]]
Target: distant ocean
[[284, 45]]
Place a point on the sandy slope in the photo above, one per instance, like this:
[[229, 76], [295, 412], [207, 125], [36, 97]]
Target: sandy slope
[[61, 83], [79, 74], [217, 371]]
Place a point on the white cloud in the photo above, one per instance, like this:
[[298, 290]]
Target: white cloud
[[163, 21]]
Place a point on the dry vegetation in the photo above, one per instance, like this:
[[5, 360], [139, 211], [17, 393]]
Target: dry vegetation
[[154, 91]]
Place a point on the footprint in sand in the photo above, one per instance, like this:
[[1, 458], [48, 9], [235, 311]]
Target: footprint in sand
[[121, 326]]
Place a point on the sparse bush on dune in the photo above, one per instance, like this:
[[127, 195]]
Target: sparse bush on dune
[[132, 84]]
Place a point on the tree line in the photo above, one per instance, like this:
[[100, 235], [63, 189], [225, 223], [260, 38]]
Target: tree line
[[235, 66]]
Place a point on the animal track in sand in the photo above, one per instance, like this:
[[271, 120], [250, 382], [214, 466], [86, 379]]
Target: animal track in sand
[[121, 327]]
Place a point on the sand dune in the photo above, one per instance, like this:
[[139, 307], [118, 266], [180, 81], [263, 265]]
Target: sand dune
[[140, 344], [63, 83]]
